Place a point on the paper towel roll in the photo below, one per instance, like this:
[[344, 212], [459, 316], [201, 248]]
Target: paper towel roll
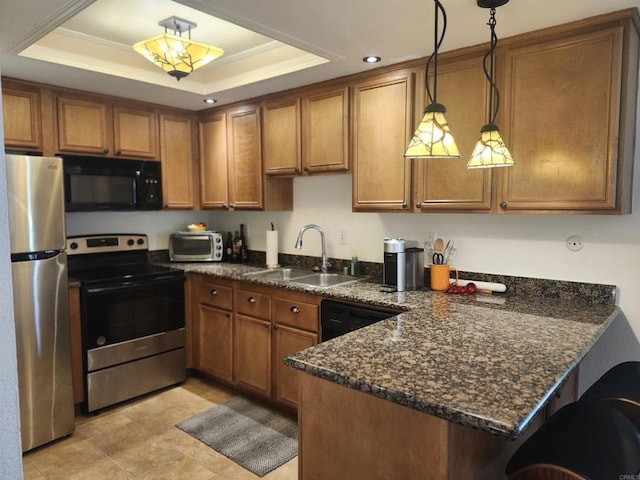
[[272, 248]]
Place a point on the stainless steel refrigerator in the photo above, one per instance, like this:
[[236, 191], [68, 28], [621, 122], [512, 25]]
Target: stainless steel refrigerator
[[39, 274]]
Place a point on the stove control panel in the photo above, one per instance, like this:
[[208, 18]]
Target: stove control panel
[[83, 244]]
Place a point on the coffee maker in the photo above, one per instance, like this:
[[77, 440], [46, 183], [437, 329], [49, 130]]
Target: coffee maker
[[403, 267]]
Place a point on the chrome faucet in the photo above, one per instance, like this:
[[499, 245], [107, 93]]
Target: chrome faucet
[[325, 263]]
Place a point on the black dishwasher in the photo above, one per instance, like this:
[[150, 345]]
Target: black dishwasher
[[337, 318]]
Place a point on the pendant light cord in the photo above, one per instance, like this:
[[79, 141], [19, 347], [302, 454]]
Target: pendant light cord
[[439, 9], [494, 94]]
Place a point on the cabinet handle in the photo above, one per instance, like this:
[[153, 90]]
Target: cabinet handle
[[307, 169], [503, 205], [251, 300], [404, 205], [267, 325], [105, 150], [294, 309], [231, 205], [419, 205], [213, 291], [275, 327], [224, 205]]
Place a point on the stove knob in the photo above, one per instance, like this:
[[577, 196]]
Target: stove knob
[[100, 341], [130, 242], [73, 245], [140, 241]]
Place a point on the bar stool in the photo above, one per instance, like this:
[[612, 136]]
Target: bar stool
[[581, 441], [620, 388]]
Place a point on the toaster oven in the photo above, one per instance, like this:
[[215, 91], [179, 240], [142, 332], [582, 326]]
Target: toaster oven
[[196, 247]]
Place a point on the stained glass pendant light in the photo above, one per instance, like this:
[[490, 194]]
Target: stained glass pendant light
[[433, 139], [175, 54], [490, 151]]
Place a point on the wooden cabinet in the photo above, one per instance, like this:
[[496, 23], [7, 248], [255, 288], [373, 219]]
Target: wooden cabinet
[[295, 327], [569, 125], [214, 183], [231, 163], [96, 127], [272, 324], [446, 184], [21, 109], [325, 130], [281, 136], [176, 155], [307, 134], [252, 343], [231, 168], [76, 344], [213, 327], [382, 125]]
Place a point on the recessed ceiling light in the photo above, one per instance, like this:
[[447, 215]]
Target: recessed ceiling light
[[371, 59], [210, 100]]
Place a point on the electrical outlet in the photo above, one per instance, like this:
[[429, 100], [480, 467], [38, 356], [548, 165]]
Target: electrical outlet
[[575, 243], [342, 237]]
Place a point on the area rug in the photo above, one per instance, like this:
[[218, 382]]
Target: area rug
[[253, 436]]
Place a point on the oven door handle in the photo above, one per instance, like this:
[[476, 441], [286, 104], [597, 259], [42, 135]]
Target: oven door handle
[[128, 284]]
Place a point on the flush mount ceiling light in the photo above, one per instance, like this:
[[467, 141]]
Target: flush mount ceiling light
[[174, 54], [371, 59], [433, 139], [490, 151]]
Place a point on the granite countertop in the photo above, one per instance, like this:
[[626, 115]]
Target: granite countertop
[[486, 361]]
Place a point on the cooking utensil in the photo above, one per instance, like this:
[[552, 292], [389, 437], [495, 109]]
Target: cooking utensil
[[449, 252], [438, 246]]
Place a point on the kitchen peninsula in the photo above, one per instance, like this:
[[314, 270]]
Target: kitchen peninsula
[[447, 389]]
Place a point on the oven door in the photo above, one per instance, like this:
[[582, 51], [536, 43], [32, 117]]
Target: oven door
[[118, 311]]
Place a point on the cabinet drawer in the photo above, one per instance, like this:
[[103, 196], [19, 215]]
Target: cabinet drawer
[[295, 314], [215, 294], [253, 303]]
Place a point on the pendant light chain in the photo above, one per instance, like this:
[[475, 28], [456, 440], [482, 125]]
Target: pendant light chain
[[494, 94], [437, 41]]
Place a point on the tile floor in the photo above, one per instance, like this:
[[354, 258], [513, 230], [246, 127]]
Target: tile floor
[[137, 440]]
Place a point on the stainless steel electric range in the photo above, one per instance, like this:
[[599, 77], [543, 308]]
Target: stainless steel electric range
[[132, 318]]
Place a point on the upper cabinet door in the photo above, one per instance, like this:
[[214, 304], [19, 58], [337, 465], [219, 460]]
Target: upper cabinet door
[[84, 126], [135, 132], [562, 111], [325, 131], [281, 136], [176, 155], [245, 161], [21, 109], [446, 184], [382, 116], [214, 191]]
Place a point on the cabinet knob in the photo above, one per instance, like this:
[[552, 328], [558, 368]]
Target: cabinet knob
[[503, 205], [404, 205], [224, 205], [228, 315], [213, 291], [231, 205], [105, 150], [419, 205], [251, 300], [275, 327], [294, 309], [118, 152], [307, 169], [296, 170], [266, 325]]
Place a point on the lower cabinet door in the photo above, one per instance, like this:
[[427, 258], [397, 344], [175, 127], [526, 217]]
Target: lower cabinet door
[[288, 341], [252, 350], [215, 343]]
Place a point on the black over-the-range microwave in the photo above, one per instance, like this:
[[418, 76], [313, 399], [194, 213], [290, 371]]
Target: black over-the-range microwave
[[95, 183]]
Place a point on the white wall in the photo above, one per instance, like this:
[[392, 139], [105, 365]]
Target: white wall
[[11, 456]]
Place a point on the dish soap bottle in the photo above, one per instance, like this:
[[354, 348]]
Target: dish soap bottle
[[354, 268]]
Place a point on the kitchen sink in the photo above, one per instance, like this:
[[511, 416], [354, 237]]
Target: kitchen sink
[[324, 280], [304, 277], [284, 274]]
